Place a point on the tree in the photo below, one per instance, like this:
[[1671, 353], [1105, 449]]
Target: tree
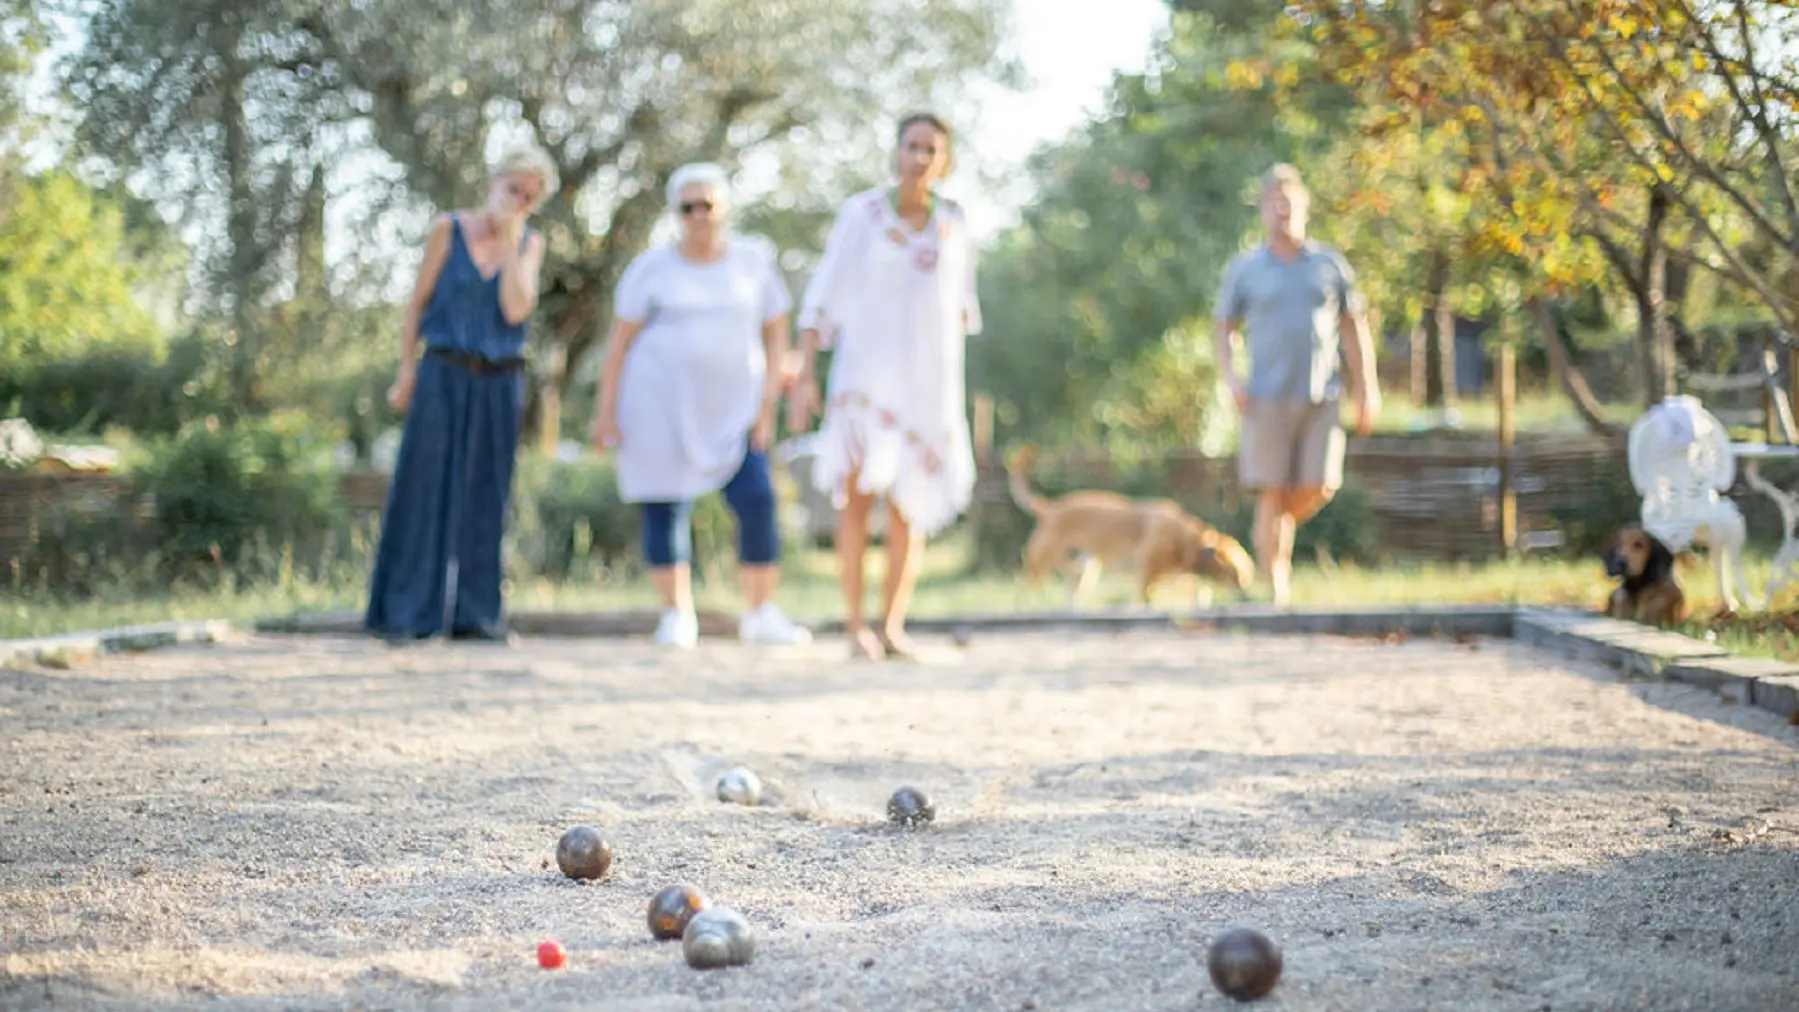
[[218, 110], [621, 93], [21, 37], [1090, 298], [66, 281], [1660, 131], [244, 105]]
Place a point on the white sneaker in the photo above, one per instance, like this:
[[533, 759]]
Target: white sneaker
[[768, 625], [679, 629]]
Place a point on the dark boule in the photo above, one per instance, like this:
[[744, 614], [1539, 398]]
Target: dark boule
[[672, 908], [910, 807], [1245, 964], [583, 853]]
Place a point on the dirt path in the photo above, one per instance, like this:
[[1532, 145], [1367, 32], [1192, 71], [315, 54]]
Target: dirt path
[[317, 823]]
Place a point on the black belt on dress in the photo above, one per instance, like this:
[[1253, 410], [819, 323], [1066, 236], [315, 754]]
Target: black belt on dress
[[475, 365]]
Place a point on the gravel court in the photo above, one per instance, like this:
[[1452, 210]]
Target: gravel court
[[289, 822]]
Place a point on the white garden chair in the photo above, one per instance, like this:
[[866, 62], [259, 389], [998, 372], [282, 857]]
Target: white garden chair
[[1682, 462]]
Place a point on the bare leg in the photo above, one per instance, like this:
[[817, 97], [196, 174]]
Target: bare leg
[[674, 584], [1280, 572], [905, 554], [758, 584], [1274, 532], [1304, 503], [852, 545], [1270, 503]]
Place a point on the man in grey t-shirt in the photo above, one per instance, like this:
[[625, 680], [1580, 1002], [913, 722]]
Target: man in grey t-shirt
[[1294, 300]]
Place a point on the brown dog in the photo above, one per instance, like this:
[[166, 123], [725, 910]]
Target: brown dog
[[1155, 537], [1647, 591]]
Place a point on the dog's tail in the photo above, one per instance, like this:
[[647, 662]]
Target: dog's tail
[[1019, 484]]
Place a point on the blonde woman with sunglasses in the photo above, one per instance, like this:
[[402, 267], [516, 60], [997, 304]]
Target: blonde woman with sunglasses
[[687, 397]]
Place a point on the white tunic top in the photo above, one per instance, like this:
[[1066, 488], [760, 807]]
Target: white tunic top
[[896, 306], [692, 382]]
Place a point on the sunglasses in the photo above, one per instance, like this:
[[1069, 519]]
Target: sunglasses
[[690, 206]]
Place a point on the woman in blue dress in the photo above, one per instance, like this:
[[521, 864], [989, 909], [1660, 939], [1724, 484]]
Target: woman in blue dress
[[437, 569]]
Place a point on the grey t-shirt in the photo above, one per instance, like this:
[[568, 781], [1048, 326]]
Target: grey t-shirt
[[1289, 314]]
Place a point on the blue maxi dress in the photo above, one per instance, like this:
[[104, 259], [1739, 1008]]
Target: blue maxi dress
[[438, 558]]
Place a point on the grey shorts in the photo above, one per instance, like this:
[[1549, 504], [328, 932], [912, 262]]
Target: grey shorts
[[1292, 444]]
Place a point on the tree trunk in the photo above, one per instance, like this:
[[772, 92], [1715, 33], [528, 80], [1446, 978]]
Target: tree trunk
[[1674, 297], [1437, 370], [1420, 362], [240, 229], [1446, 351], [1655, 353], [310, 287], [1572, 382]]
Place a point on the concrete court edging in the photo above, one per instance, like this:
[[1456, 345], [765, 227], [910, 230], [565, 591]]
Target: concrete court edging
[[70, 649], [1636, 650]]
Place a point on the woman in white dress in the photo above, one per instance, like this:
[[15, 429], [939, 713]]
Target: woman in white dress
[[687, 400], [894, 298]]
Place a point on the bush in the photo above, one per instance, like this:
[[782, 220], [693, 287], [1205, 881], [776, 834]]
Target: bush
[[1588, 527], [144, 390], [1345, 530], [255, 502], [569, 523], [86, 548], [248, 498]]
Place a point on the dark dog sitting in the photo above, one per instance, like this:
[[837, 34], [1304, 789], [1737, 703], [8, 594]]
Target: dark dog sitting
[[1647, 592]]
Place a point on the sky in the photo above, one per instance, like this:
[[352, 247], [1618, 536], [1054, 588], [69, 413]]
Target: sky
[[1071, 55]]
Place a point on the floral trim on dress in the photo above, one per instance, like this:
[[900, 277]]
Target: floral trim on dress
[[929, 458], [925, 244]]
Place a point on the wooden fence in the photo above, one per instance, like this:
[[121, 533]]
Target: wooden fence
[[1438, 498], [1431, 498]]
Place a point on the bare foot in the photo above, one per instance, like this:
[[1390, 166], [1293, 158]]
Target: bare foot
[[898, 645], [865, 645]]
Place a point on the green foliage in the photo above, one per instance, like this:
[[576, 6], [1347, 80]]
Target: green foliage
[[1587, 529], [1163, 397], [21, 39], [569, 523], [149, 392], [254, 503], [86, 548], [1108, 281], [66, 286], [222, 495], [1559, 119]]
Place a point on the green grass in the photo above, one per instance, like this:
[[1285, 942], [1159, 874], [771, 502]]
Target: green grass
[[1538, 413], [809, 591]]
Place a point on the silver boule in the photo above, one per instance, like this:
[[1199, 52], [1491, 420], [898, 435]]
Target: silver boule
[[739, 785], [718, 937], [672, 908], [910, 807], [583, 853]]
